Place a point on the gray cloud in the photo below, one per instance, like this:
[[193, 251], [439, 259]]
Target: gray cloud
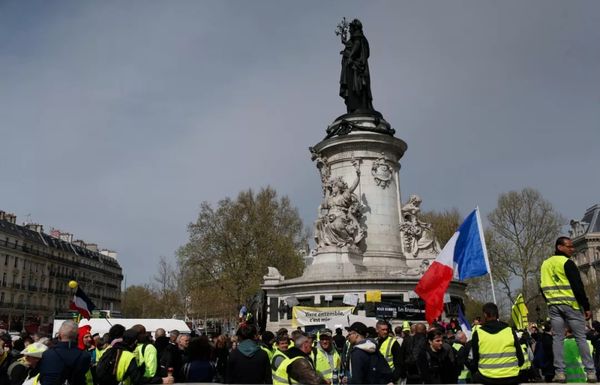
[[118, 119]]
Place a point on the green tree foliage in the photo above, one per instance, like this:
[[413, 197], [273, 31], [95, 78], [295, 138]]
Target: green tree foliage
[[140, 302], [524, 227], [444, 223], [230, 247]]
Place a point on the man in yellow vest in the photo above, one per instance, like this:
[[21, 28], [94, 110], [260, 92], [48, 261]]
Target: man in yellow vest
[[298, 368], [126, 370], [568, 304], [145, 352], [497, 355], [389, 347], [326, 358]]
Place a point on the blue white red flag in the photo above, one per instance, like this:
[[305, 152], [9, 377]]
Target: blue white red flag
[[82, 304], [465, 326], [464, 256]]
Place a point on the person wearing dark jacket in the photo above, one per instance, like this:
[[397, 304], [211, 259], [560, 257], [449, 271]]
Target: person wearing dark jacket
[[339, 340], [361, 352], [497, 355], [437, 363], [248, 364], [411, 347], [64, 361], [302, 370]]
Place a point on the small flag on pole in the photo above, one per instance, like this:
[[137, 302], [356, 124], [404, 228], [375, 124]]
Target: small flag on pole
[[464, 256], [519, 313], [465, 326], [82, 304]]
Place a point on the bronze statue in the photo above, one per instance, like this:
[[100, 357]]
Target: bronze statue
[[355, 81]]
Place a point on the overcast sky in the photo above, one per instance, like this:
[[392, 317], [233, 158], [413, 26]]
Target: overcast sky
[[118, 118]]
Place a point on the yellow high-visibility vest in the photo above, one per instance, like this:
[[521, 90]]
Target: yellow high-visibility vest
[[527, 363], [497, 354], [386, 350], [554, 282], [326, 363], [281, 376], [122, 366], [464, 373]]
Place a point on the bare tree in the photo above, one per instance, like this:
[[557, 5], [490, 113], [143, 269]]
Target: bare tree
[[524, 227], [444, 223]]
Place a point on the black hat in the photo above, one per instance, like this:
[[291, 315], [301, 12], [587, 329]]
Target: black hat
[[359, 328]]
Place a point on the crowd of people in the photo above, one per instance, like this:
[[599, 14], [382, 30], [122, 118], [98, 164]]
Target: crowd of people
[[566, 349], [413, 354]]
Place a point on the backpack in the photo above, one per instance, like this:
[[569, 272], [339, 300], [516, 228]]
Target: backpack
[[379, 370], [106, 371], [413, 349]]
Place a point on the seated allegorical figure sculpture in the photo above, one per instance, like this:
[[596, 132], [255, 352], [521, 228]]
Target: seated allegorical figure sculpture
[[419, 238], [339, 215]]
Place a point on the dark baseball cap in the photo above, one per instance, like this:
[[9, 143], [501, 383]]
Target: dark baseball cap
[[359, 328]]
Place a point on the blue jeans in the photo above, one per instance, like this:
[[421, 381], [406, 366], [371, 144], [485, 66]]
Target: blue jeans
[[561, 315]]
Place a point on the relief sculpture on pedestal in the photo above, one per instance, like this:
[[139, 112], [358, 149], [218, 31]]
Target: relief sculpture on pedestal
[[340, 213]]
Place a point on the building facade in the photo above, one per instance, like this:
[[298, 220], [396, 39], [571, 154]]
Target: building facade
[[35, 269], [585, 234]]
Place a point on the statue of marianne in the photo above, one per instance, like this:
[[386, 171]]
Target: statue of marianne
[[355, 80]]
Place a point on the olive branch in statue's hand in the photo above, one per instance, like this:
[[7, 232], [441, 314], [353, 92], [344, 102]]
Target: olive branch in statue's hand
[[342, 30]]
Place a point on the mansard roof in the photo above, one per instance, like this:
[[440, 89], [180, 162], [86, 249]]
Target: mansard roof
[[590, 223]]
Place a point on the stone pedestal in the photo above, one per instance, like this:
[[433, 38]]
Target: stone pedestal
[[378, 157], [358, 229]]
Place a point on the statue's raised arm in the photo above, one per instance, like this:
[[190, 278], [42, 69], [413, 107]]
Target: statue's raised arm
[[357, 180]]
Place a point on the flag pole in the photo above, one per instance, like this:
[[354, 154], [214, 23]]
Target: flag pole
[[487, 261]]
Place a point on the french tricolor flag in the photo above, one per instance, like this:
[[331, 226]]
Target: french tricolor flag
[[82, 304], [464, 256]]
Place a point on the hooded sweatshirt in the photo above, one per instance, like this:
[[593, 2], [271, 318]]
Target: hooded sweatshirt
[[360, 361], [493, 327], [248, 364]]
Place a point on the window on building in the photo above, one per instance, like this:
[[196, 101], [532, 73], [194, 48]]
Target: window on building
[[16, 261], [6, 260], [2, 297]]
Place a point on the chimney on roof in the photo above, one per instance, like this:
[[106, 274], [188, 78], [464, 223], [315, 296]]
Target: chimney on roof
[[12, 218], [79, 242], [2, 215], [109, 253], [35, 227], [92, 246], [67, 237]]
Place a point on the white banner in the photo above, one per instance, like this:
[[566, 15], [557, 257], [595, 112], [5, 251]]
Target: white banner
[[304, 315]]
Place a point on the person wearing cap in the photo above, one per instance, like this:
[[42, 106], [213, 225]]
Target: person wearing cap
[[326, 358], [389, 347], [25, 368], [360, 354], [298, 367], [64, 361]]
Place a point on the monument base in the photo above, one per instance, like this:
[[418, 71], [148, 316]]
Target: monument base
[[396, 289]]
